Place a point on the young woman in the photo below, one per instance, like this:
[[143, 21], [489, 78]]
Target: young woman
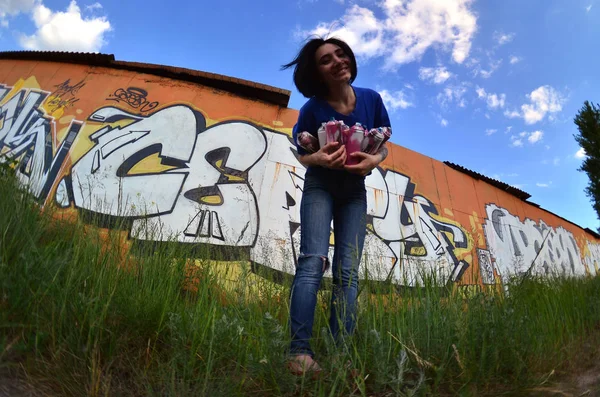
[[324, 72]]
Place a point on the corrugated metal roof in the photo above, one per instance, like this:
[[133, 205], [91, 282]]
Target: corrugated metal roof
[[249, 89], [592, 232], [514, 191], [500, 185]]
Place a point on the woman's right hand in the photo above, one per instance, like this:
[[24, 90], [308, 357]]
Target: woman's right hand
[[332, 155]]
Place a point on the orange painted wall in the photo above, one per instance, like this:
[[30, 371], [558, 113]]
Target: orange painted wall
[[424, 214]]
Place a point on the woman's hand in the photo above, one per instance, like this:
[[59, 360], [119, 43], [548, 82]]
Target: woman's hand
[[367, 162], [332, 155]]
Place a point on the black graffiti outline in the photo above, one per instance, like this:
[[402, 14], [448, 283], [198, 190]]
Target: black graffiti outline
[[460, 266], [126, 222], [63, 91], [224, 181], [52, 161], [541, 226], [135, 97]]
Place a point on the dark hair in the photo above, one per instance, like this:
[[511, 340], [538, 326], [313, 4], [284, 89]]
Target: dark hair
[[306, 76]]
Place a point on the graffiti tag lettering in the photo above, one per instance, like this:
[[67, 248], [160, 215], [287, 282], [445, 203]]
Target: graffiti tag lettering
[[134, 97], [26, 137], [519, 246]]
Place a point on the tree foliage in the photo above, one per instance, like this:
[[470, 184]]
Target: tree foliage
[[588, 124]]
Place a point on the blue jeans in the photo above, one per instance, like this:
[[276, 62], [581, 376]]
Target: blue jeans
[[326, 195]]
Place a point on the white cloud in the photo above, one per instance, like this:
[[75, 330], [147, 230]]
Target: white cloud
[[556, 161], [486, 74], [95, 6], [453, 93], [508, 129], [490, 131], [395, 100], [588, 8], [435, 75], [409, 86], [11, 8], [539, 184], [444, 123], [544, 100], [580, 153], [66, 30], [512, 114], [363, 32], [535, 136], [516, 141], [547, 147], [532, 137], [515, 59], [493, 101], [406, 30], [503, 38]]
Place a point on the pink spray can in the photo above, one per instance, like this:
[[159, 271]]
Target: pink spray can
[[354, 143], [332, 129], [308, 142], [344, 133], [368, 141], [378, 138], [387, 133]]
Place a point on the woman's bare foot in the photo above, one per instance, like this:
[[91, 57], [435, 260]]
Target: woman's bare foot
[[303, 364]]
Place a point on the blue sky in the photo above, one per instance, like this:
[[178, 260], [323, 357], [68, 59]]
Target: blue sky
[[492, 86]]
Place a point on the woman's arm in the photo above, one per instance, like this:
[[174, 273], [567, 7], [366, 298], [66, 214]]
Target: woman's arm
[[383, 152], [332, 155]]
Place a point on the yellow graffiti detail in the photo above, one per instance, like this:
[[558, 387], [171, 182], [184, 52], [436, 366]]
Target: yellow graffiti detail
[[472, 222], [212, 200], [58, 112], [83, 144], [66, 119], [230, 178], [29, 83], [150, 165], [442, 219], [418, 251]]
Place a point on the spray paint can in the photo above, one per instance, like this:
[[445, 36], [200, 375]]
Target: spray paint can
[[370, 144], [344, 133], [354, 143], [387, 133], [308, 142], [332, 128], [376, 138]]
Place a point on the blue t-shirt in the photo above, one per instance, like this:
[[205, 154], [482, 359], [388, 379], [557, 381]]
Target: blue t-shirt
[[369, 111]]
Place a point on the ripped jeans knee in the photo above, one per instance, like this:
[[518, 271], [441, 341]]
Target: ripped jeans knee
[[312, 263]]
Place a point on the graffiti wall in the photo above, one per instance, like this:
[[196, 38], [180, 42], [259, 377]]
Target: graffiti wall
[[172, 161]]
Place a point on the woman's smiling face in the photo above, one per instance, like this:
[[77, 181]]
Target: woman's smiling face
[[333, 64]]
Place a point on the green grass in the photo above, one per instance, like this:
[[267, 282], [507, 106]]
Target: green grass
[[75, 319]]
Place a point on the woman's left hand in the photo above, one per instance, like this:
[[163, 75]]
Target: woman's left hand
[[367, 162]]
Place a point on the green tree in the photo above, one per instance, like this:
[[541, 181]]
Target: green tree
[[588, 123]]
